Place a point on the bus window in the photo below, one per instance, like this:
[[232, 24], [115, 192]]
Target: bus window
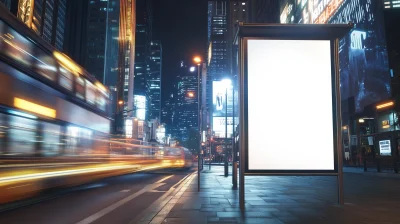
[[45, 65], [22, 135], [90, 93], [80, 88], [66, 78], [15, 46], [101, 101], [51, 139]]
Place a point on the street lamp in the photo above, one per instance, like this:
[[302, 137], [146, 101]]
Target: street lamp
[[227, 83], [198, 60]]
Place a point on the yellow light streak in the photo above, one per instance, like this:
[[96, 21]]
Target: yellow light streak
[[33, 107]]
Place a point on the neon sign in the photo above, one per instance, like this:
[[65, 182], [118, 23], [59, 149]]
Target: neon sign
[[325, 9]]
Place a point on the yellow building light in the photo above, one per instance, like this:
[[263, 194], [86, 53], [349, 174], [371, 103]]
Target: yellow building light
[[384, 105], [34, 108]]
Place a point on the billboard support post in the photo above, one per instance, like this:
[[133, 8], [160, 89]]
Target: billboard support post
[[242, 144], [338, 123], [199, 158], [313, 52], [226, 133]]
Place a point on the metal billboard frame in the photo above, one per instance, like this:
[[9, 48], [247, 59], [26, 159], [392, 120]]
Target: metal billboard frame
[[331, 32]]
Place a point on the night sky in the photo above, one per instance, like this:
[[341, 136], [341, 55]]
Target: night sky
[[181, 26]]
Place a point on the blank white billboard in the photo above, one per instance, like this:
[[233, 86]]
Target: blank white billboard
[[290, 119]]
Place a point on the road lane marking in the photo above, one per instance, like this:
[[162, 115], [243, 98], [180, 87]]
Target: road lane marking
[[156, 191], [19, 186], [157, 205], [114, 206], [165, 178], [125, 191]]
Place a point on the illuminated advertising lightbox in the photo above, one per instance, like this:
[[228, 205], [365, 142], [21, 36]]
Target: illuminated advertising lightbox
[[221, 108], [384, 148], [290, 108], [140, 104], [219, 126], [364, 67], [219, 105]]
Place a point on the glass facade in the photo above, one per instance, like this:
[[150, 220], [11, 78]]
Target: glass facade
[[154, 81]]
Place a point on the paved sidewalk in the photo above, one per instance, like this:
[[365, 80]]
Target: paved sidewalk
[[368, 199]]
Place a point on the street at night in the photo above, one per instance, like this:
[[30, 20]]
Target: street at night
[[199, 111]]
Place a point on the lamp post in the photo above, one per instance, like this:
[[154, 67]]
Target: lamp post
[[198, 60], [227, 83]]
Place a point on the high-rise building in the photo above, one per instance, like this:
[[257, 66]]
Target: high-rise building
[[187, 107], [392, 18], [76, 27], [239, 12], [111, 44], [364, 69], [154, 80], [391, 4], [219, 46], [261, 11], [126, 60], [45, 17], [96, 38], [144, 16]]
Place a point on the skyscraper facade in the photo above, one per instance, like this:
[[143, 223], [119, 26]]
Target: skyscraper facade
[[154, 80], [45, 17], [219, 46], [144, 16], [76, 27], [364, 69], [126, 61], [261, 11], [187, 107], [391, 4], [96, 38]]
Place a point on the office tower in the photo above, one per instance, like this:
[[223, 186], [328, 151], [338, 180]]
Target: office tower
[[219, 46], [186, 104], [391, 4], [45, 17], [126, 59], [96, 38], [392, 18], [142, 49], [364, 69], [154, 80], [261, 11], [76, 29]]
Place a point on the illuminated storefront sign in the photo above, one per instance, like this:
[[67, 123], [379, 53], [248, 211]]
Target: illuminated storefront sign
[[140, 104], [140, 129], [384, 148], [325, 10], [128, 128], [386, 124]]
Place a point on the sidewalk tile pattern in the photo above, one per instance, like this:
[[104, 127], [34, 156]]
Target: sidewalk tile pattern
[[279, 199]]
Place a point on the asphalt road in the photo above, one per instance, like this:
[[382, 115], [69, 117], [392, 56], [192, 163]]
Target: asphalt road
[[120, 199]]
